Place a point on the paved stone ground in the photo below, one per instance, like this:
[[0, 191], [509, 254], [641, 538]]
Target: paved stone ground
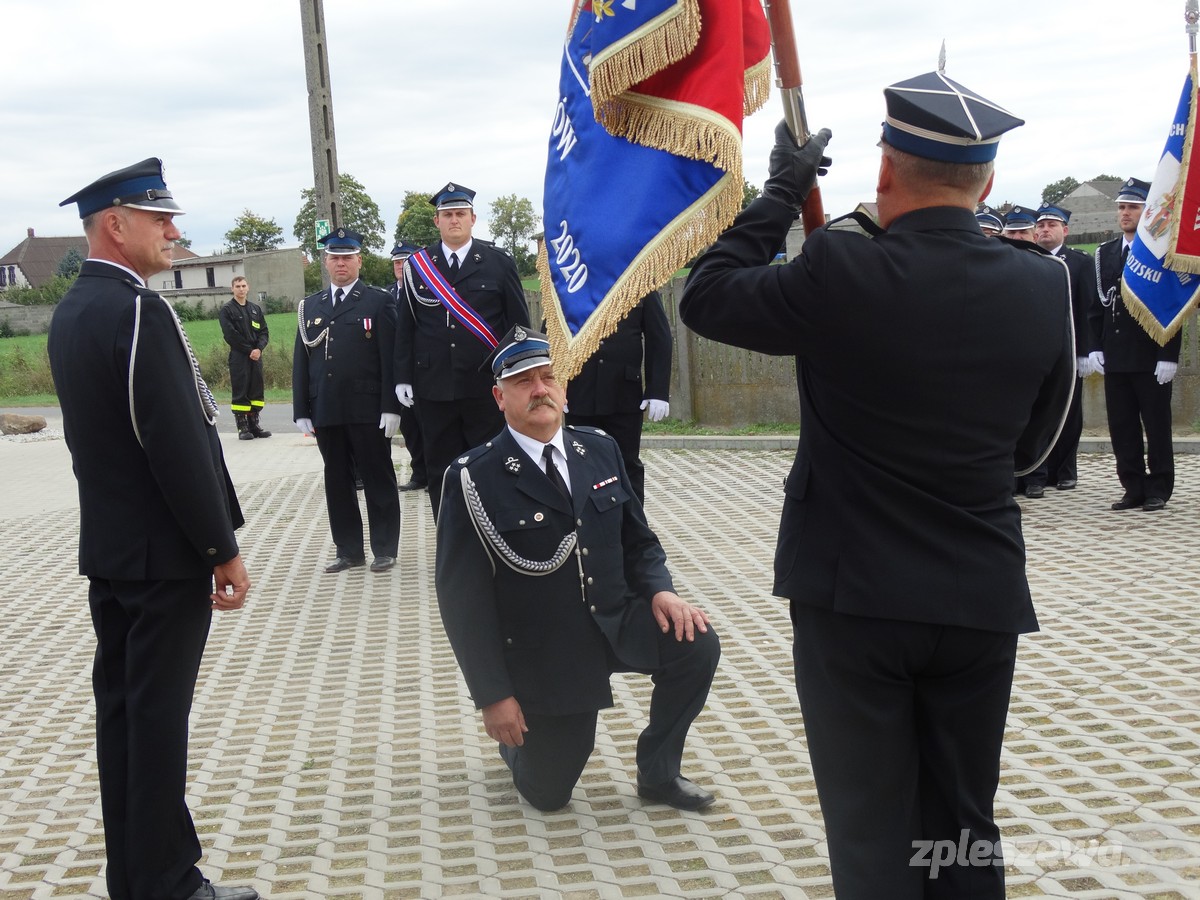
[[335, 753]]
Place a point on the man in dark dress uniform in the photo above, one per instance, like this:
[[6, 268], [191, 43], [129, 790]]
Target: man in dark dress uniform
[[342, 393], [1050, 233], [244, 327], [409, 426], [157, 514], [460, 295], [608, 392], [989, 221], [900, 546], [1137, 371], [549, 580]]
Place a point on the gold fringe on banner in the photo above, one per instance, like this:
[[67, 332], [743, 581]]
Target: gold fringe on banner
[[692, 230], [665, 39], [682, 129], [1149, 322], [758, 86]]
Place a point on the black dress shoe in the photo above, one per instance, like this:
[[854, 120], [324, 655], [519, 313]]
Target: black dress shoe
[[210, 891], [1067, 484], [1154, 504], [342, 563], [678, 792], [412, 485], [382, 563], [1127, 502], [1035, 491]]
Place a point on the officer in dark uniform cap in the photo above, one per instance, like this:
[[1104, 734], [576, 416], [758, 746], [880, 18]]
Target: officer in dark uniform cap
[[989, 221], [441, 359], [532, 523], [900, 545], [1050, 233], [409, 426], [1019, 223], [157, 517], [1137, 371], [342, 393]]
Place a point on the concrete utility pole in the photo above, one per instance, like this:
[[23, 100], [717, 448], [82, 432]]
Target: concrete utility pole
[[327, 198]]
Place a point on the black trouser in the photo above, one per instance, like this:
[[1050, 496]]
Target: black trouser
[[150, 639], [411, 429], [246, 383], [904, 723], [1062, 463], [1134, 400], [448, 429], [626, 429], [362, 448], [547, 766]]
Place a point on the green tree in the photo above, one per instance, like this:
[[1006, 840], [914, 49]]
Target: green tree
[[251, 233], [1056, 190], [415, 222], [185, 242], [377, 270], [513, 223], [359, 213], [1107, 178], [749, 193], [68, 266]]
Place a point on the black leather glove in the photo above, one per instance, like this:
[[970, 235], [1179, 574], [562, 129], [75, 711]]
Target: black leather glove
[[793, 170]]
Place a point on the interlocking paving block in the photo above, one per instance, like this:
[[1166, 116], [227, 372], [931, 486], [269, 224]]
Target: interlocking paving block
[[335, 753]]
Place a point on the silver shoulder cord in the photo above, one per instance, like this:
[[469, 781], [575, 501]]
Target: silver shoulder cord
[[489, 535], [1062, 421], [411, 283], [1109, 298], [304, 332]]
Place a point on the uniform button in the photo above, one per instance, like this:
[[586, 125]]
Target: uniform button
[[508, 641], [584, 551], [589, 581], [212, 551], [579, 523], [613, 499], [521, 522], [591, 609], [452, 345]]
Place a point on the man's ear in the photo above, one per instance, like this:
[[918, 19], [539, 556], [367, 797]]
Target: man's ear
[[987, 188], [498, 396]]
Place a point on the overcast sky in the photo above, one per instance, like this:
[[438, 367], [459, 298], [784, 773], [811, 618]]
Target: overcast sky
[[448, 90]]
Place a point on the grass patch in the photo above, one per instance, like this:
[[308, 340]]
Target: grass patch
[[679, 427]]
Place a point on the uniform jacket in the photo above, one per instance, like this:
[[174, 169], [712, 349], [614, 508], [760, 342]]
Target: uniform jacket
[[243, 327], [1083, 294], [611, 380], [435, 353], [1126, 346], [928, 358], [345, 377], [544, 638], [155, 499]]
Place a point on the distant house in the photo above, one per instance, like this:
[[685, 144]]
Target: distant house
[[1093, 207], [35, 260], [205, 280]]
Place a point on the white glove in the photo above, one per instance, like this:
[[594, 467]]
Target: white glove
[[659, 409], [1083, 367], [1096, 358], [1165, 371], [390, 423], [404, 395], [305, 426]]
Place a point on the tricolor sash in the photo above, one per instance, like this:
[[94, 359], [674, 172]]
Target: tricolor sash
[[444, 291]]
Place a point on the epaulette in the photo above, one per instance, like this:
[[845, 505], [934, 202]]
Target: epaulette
[[474, 454], [588, 429]]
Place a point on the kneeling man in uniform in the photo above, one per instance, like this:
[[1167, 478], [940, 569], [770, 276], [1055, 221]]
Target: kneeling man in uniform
[[549, 580]]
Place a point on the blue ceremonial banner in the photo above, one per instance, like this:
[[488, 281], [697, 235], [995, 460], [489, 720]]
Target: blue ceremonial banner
[[1156, 285], [644, 162]]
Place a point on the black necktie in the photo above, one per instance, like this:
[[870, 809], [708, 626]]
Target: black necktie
[[338, 296], [453, 263], [552, 472], [1124, 254]]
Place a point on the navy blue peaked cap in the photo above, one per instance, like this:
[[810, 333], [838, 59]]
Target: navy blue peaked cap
[[1050, 211], [1019, 218], [403, 250], [522, 348], [140, 186], [453, 196], [935, 118], [989, 218], [1134, 191], [342, 242]]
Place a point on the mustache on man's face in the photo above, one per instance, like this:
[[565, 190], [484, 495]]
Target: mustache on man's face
[[541, 401]]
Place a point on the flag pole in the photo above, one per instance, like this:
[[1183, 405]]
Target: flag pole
[[1191, 15], [787, 76]]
